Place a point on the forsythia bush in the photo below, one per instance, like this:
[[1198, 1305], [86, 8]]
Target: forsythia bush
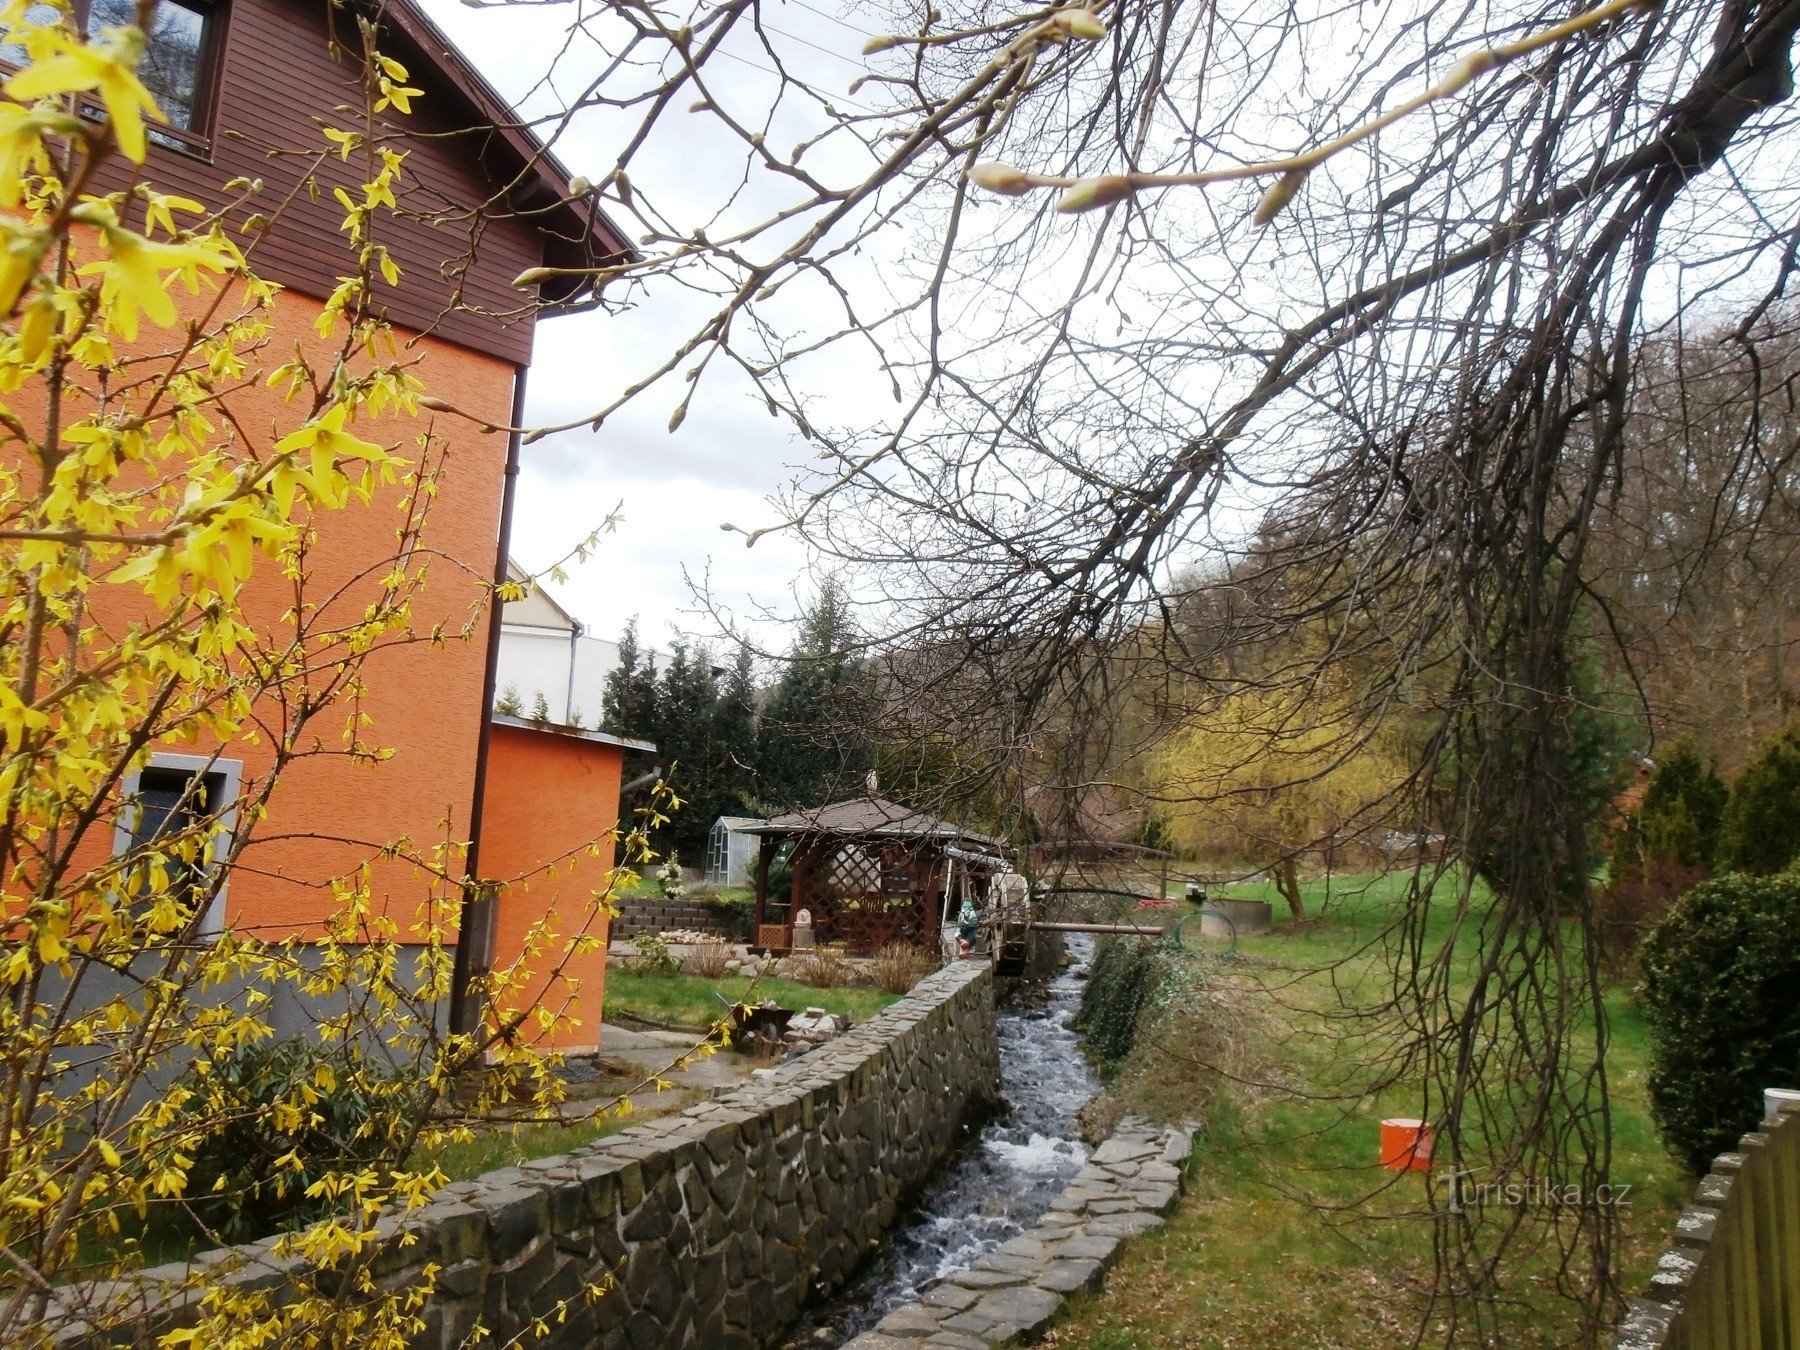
[[136, 1052]]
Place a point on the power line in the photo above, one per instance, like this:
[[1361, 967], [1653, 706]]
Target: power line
[[770, 70], [807, 42], [832, 18]]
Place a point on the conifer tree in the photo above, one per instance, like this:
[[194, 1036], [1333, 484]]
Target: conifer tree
[[628, 705], [1678, 821], [1761, 829], [686, 698], [813, 739], [734, 729]]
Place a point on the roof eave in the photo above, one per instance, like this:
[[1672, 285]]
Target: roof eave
[[584, 237], [606, 738]]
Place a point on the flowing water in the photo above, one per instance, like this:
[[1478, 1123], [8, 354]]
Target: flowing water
[[1004, 1180]]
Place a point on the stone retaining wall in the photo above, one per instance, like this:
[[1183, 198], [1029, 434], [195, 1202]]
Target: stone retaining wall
[[642, 915], [716, 1225], [1011, 1294]]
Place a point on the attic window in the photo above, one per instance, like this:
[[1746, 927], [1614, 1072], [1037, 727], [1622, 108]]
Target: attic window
[[177, 65], [180, 56]]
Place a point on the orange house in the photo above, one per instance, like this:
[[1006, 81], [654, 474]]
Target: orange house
[[484, 202]]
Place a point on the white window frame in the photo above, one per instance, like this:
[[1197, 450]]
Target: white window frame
[[230, 772]]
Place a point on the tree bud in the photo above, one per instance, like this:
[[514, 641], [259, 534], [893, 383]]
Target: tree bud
[[1091, 193], [1275, 200], [1001, 178], [1081, 23], [1472, 65]]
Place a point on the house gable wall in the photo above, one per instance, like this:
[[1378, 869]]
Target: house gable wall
[[277, 84]]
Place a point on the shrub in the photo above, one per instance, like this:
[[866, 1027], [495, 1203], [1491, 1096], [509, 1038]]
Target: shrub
[[708, 959], [653, 954], [1719, 975], [898, 966], [669, 877], [1678, 819], [734, 913], [823, 968], [1119, 988], [330, 1109], [1760, 832], [1635, 902]]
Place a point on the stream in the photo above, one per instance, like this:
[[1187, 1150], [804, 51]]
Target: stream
[[1001, 1182]]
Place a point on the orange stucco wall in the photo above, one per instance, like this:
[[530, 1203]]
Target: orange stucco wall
[[549, 797], [330, 813]]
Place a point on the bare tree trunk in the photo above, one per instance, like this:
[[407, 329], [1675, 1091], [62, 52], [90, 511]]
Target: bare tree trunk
[[1287, 881]]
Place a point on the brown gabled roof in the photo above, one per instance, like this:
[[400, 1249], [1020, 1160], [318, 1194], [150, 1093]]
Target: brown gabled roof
[[874, 818], [576, 231]]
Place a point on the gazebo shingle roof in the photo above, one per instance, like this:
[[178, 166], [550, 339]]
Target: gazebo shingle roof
[[874, 817]]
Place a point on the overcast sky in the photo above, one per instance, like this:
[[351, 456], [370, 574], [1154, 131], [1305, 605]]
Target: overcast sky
[[672, 491]]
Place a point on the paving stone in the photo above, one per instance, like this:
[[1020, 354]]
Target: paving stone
[[1117, 1150], [1069, 1277], [977, 1278], [977, 1325], [1124, 1225], [1090, 1247], [1026, 1308], [952, 1297], [912, 1320], [1012, 1264]]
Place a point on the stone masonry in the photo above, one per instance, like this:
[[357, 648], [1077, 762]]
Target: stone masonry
[[714, 1226], [1010, 1295], [644, 914]]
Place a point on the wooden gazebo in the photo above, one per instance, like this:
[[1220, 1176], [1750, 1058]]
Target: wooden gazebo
[[870, 872]]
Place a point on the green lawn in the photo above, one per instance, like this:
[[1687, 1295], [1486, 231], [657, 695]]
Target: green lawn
[[696, 1001], [509, 1146], [1278, 1242]]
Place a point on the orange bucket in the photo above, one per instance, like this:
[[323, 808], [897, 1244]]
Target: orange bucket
[[1405, 1145]]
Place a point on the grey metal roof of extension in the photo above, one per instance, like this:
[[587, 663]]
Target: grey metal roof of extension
[[873, 817], [500, 719]]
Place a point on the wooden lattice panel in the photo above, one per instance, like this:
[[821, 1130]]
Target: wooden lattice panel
[[866, 895]]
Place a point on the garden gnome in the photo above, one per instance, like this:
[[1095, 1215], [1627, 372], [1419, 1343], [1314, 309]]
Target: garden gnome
[[968, 923]]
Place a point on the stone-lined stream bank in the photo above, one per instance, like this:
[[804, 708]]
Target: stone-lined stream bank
[[1010, 1295], [1021, 1217], [1003, 1179]]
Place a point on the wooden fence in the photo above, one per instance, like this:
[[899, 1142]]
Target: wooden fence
[[1732, 1277]]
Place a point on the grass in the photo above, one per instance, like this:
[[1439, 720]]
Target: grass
[[694, 1000], [1278, 1240], [509, 1146]]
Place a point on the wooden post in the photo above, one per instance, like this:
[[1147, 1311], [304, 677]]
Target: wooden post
[[765, 847]]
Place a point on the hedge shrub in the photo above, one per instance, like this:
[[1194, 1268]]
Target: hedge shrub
[[1120, 985], [735, 914], [1721, 992]]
